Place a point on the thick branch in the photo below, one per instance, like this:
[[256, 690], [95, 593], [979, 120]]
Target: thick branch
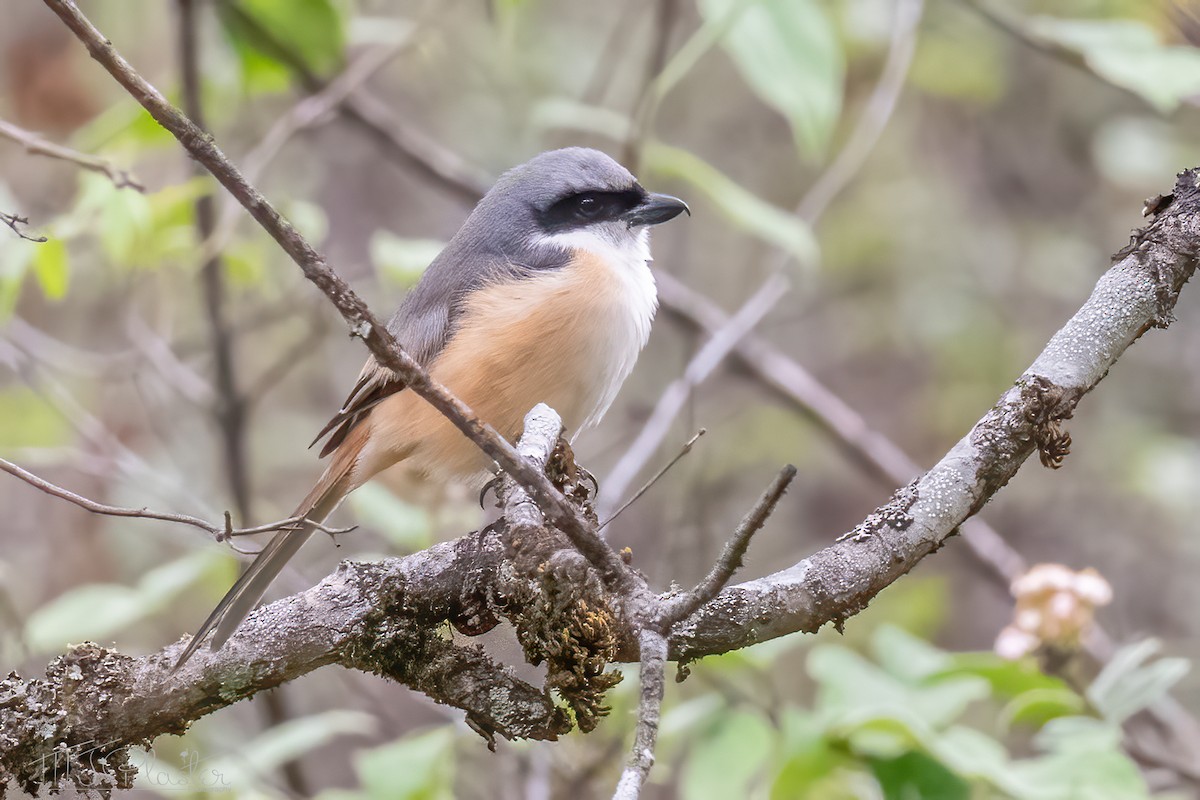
[[378, 617], [1136, 294]]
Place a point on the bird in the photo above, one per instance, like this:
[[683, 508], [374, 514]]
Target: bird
[[544, 295]]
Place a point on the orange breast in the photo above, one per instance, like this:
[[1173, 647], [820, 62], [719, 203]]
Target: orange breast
[[546, 338]]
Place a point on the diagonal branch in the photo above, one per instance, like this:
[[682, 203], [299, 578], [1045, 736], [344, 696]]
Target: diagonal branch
[[361, 320], [683, 606], [1137, 293], [382, 617]]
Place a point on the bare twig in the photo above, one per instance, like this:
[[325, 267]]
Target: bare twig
[[839, 173], [683, 606], [229, 407], [429, 157], [675, 396], [874, 117], [361, 320], [644, 107], [309, 112], [12, 221], [683, 451], [652, 675], [36, 145], [221, 532], [869, 448]]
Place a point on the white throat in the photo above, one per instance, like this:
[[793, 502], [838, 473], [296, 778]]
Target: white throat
[[626, 253]]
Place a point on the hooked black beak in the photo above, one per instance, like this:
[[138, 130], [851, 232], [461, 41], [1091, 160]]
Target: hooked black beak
[[656, 208]]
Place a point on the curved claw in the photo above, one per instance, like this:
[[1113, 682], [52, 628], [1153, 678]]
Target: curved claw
[[590, 478], [491, 485]]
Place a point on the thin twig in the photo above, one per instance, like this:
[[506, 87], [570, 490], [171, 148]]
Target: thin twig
[[644, 108], [221, 532], [309, 112], [36, 145], [12, 221], [675, 396], [229, 406], [683, 606], [362, 322], [839, 173], [652, 647], [868, 447], [431, 159], [683, 451], [875, 116]]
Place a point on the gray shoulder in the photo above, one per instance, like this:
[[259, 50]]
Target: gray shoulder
[[426, 319]]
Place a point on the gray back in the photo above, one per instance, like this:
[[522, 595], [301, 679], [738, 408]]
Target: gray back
[[499, 241]]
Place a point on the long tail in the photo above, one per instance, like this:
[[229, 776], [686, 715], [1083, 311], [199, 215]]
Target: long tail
[[240, 600]]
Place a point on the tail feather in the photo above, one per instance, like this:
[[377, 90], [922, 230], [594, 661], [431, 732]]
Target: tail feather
[[241, 599]]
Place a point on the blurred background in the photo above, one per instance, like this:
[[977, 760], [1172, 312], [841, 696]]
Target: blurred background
[[938, 184]]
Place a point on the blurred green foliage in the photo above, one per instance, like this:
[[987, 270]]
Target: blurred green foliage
[[991, 203]]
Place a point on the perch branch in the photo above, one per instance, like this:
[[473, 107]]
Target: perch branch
[[380, 616], [361, 320], [1137, 293]]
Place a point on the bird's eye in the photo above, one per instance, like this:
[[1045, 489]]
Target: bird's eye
[[588, 207]]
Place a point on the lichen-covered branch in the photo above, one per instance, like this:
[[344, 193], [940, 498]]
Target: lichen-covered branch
[[1136, 294]]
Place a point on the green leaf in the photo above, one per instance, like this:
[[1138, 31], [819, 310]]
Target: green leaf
[[853, 690], [1128, 684], [279, 744], [96, 611], [400, 260], [744, 208], [417, 767], [267, 34], [905, 656], [728, 758], [970, 753], [1007, 678], [788, 52], [27, 420], [808, 758], [51, 268], [406, 526], [1039, 706], [916, 776], [1129, 54], [1084, 760]]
